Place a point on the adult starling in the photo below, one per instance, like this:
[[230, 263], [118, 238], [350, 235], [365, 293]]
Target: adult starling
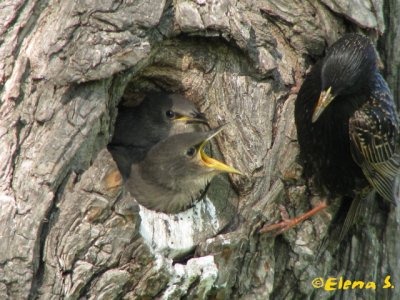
[[139, 128], [347, 126], [174, 172]]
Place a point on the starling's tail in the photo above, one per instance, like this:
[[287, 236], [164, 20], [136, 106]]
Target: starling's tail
[[396, 189], [340, 226], [351, 215]]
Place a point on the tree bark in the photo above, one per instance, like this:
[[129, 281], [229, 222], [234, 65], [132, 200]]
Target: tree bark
[[69, 231]]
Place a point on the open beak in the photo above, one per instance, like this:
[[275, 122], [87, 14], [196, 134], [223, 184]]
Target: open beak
[[199, 118], [210, 162], [324, 100]]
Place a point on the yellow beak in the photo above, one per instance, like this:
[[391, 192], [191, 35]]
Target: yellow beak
[[324, 100], [192, 119], [210, 162]]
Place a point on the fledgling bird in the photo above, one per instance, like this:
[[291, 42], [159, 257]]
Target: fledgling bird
[[139, 128], [347, 125], [174, 172], [158, 116]]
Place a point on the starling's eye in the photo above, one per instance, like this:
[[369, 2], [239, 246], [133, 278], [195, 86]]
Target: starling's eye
[[170, 114], [191, 151]]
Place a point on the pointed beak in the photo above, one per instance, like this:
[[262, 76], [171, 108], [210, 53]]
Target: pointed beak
[[198, 118], [324, 100], [210, 162]]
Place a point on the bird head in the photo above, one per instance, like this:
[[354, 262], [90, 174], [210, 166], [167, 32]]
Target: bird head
[[346, 69], [170, 114], [172, 111], [182, 110], [182, 158]]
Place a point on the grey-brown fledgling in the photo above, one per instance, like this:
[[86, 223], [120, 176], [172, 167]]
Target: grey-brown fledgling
[[139, 128], [174, 172]]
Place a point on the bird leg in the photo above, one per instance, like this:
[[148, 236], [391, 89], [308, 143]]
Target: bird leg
[[288, 223]]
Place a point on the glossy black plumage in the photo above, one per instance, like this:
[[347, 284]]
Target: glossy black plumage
[[354, 139]]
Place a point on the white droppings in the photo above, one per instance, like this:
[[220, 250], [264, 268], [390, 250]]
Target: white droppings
[[160, 262], [212, 212], [174, 235], [6, 199], [202, 268], [171, 236]]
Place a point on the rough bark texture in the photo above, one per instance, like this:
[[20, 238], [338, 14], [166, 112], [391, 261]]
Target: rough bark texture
[[67, 231]]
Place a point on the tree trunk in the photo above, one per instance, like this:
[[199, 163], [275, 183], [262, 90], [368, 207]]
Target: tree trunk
[[69, 231]]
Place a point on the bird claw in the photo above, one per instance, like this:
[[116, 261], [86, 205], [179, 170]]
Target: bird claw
[[288, 223], [278, 228]]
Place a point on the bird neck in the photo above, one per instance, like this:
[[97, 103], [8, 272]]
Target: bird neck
[[164, 193], [343, 107], [361, 86]]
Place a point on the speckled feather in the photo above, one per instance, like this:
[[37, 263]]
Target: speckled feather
[[325, 145], [356, 139], [374, 135]]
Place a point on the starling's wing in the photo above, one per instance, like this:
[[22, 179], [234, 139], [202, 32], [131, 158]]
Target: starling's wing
[[374, 139]]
